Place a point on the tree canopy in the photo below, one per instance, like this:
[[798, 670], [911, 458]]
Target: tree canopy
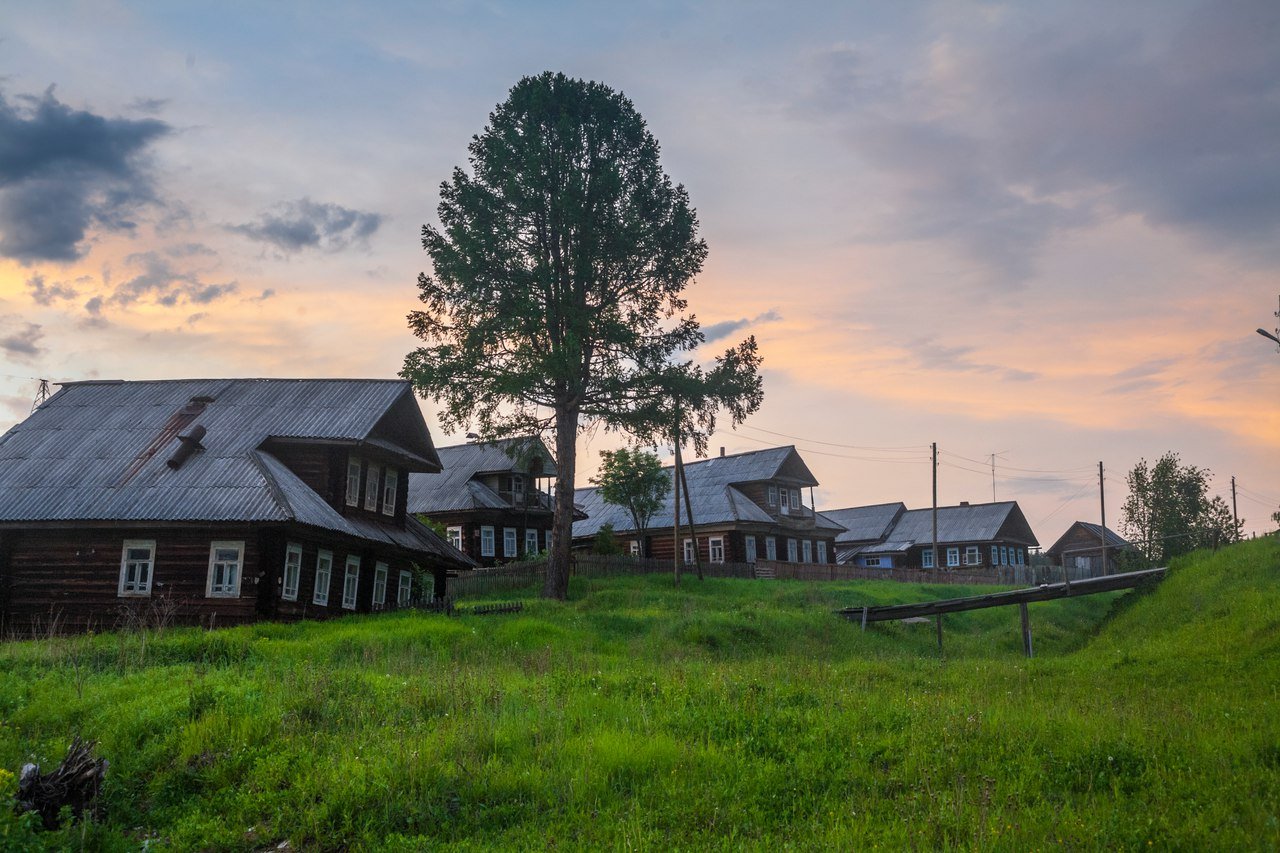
[[556, 299], [1169, 510], [635, 481]]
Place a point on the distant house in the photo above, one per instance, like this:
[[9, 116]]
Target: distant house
[[746, 507], [969, 536], [227, 500], [1081, 547], [490, 498]]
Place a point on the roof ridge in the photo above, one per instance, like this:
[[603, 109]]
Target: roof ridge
[[268, 478], [230, 379]]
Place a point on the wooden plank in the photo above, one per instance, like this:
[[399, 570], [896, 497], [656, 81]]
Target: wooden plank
[[1026, 628]]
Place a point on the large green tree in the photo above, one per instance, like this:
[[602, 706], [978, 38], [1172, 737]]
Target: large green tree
[[635, 481], [1169, 510], [555, 303]]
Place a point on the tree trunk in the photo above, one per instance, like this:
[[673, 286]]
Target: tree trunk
[[557, 583]]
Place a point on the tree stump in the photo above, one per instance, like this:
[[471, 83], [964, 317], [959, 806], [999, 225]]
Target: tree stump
[[75, 783]]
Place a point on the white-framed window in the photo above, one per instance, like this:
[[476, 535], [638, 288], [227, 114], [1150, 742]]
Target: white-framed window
[[1021, 556], [508, 541], [351, 583], [995, 555], [517, 488], [371, 479], [791, 551], [806, 551], [454, 535], [292, 571], [530, 542], [137, 564], [822, 551], [926, 558], [871, 562], [749, 547], [226, 560], [953, 556], [635, 547], [770, 548], [773, 496], [715, 548], [972, 555], [796, 506], [389, 485], [786, 500], [353, 481], [404, 593], [1004, 555], [324, 571], [380, 572], [688, 550], [486, 541]]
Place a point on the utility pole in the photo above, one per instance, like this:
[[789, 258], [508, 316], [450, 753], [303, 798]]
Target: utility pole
[[676, 548], [993, 478], [1235, 516], [1102, 500], [937, 563]]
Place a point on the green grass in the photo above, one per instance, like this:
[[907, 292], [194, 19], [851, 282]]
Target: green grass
[[723, 714]]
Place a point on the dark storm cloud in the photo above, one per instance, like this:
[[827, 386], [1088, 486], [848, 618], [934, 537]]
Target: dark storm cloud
[[159, 281], [64, 171], [716, 331], [305, 224], [20, 340]]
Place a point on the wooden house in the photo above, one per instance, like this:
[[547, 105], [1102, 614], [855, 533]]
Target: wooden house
[[1081, 547], [218, 501], [970, 536], [494, 498], [746, 507]]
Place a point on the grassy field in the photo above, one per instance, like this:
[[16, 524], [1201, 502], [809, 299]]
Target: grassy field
[[725, 714]]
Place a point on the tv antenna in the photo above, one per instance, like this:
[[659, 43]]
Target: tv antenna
[[42, 394]]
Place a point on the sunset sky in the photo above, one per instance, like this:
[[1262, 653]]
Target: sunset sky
[[1045, 231]]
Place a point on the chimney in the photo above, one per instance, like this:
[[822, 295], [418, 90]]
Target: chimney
[[190, 444], [964, 503], [722, 451]]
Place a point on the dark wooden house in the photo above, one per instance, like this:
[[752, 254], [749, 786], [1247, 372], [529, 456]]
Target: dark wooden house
[[218, 501], [493, 498], [970, 536], [746, 507], [1082, 545]]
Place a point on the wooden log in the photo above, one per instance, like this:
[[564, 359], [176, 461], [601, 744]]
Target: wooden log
[[1026, 628]]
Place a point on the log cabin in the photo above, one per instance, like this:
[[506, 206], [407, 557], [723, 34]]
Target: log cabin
[[1081, 547], [215, 502], [970, 536]]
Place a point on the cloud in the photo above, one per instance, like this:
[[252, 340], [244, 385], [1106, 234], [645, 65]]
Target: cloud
[[148, 106], [165, 285], [64, 171], [20, 340], [723, 329], [45, 294], [936, 356], [305, 224]]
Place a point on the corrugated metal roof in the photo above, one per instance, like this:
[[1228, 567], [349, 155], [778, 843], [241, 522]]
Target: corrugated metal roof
[[1114, 540], [865, 523], [452, 488], [973, 523]]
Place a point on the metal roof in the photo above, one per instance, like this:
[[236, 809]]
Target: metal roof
[[453, 489], [1114, 540], [865, 523], [957, 524]]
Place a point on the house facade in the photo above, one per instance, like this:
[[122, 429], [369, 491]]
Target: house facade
[[1081, 547], [970, 536], [746, 507], [493, 498], [223, 501]]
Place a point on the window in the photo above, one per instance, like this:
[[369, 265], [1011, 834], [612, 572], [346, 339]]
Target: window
[[1085, 563], [796, 506], [1004, 555], [786, 500], [379, 586], [773, 496], [454, 535], [351, 583], [953, 556], [226, 559], [688, 550], [292, 572], [508, 541], [517, 488], [871, 562], [404, 595], [371, 487], [749, 545], [635, 548], [353, 481], [995, 555], [530, 542], [770, 548], [137, 561], [715, 546], [324, 570], [389, 491], [486, 541], [791, 550], [1021, 555], [972, 555], [806, 551], [926, 558], [822, 552]]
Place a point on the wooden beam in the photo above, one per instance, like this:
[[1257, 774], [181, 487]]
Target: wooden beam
[[1026, 628]]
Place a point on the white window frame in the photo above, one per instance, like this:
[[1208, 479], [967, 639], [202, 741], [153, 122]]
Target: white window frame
[[822, 551], [953, 557], [517, 488], [487, 543], [530, 542], [404, 592], [634, 548], [972, 555], [926, 558], [129, 587], [688, 551], [381, 573], [291, 577], [749, 546], [715, 549], [510, 544], [806, 551], [371, 479], [354, 479], [1004, 555], [793, 553], [454, 535], [1022, 557], [351, 583], [871, 562], [995, 555], [771, 549], [786, 499], [225, 590], [390, 484], [773, 496], [324, 569], [797, 506]]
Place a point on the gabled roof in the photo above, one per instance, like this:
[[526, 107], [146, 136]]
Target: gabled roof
[[1093, 532], [958, 524], [865, 523], [713, 493], [97, 451], [454, 487]]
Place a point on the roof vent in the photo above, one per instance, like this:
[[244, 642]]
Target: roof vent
[[964, 503], [190, 443], [722, 451]]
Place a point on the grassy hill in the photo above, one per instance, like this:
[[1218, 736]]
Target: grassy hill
[[723, 714]]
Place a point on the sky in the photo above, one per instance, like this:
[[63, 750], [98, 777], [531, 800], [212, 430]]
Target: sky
[[1038, 234]]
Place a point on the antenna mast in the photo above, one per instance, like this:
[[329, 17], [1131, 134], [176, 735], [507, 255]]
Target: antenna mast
[[42, 394]]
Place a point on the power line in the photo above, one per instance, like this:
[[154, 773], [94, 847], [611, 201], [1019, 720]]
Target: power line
[[906, 448], [904, 461]]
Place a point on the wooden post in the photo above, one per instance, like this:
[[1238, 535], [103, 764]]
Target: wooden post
[[1026, 627], [937, 563], [938, 621], [688, 510], [864, 617], [677, 547]]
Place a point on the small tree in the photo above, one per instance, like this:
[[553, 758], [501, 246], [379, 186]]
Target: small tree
[[606, 543], [1169, 510], [635, 481]]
